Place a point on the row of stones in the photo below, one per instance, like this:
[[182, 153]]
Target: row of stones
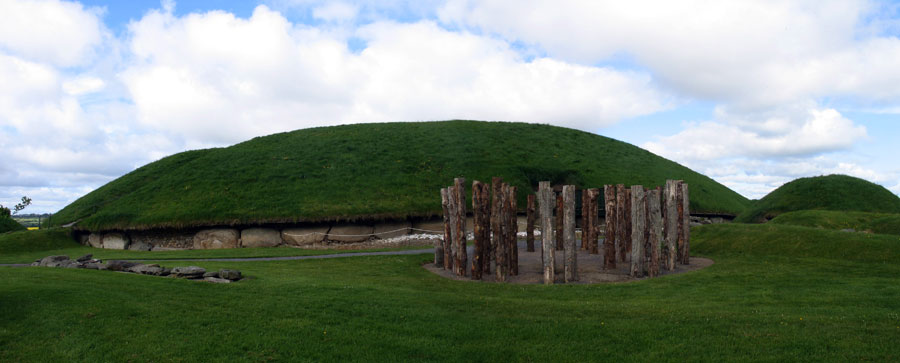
[[216, 238], [186, 272]]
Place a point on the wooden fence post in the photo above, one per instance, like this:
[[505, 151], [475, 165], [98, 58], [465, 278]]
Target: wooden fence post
[[454, 223], [571, 262], [679, 206], [559, 222], [485, 229], [671, 224], [584, 219], [546, 201], [502, 267], [609, 245], [621, 226], [461, 253], [440, 246], [477, 218], [638, 226], [529, 227], [686, 202], [655, 226], [496, 231], [625, 246], [594, 212], [513, 246]]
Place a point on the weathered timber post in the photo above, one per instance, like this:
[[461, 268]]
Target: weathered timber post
[[679, 206], [496, 232], [477, 217], [585, 220], [621, 226], [441, 246], [686, 202], [546, 201], [628, 229], [609, 245], [461, 253], [594, 199], [559, 222], [655, 225], [513, 246], [671, 224], [571, 262], [529, 226], [454, 230], [638, 225], [502, 267], [485, 229]]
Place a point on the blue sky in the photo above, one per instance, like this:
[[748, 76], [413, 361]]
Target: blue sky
[[752, 93]]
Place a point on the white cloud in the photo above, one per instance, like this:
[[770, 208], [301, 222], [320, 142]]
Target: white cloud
[[57, 32], [215, 78], [335, 11]]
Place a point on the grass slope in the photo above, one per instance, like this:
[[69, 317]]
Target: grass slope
[[8, 224], [831, 192], [371, 171], [884, 223], [775, 293]]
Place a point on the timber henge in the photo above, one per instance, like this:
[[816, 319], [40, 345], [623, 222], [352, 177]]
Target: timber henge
[[636, 233]]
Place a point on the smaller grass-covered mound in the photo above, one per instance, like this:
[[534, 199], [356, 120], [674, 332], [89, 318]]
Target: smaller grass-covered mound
[[8, 224], [831, 192], [883, 223]]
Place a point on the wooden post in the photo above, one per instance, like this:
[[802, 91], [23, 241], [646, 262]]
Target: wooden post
[[529, 227], [609, 245], [594, 200], [585, 220], [513, 247], [571, 262], [655, 225], [671, 224], [454, 223], [621, 226], [638, 225], [477, 218], [502, 266], [679, 206], [461, 254], [546, 201], [496, 232], [686, 202], [559, 222], [485, 229], [441, 246]]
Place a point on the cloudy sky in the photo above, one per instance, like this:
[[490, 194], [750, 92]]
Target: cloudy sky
[[751, 93]]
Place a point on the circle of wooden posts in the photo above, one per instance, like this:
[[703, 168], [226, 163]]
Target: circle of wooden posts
[[650, 229]]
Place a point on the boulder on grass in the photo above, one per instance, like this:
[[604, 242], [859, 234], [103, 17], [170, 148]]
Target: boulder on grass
[[350, 233], [153, 269], [260, 237], [85, 258], [229, 274], [188, 272], [115, 241], [118, 265], [217, 238], [392, 230], [304, 236], [95, 240], [216, 280], [54, 261]]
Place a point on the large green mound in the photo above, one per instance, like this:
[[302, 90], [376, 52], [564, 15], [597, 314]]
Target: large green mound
[[8, 224], [831, 192], [371, 171]]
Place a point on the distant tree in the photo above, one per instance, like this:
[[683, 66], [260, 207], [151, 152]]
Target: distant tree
[[5, 212]]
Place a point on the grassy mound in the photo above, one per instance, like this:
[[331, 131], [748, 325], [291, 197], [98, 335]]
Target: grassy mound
[[371, 171], [831, 192], [8, 224], [884, 223]]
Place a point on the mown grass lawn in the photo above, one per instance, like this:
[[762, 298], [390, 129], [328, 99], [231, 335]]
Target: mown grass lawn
[[777, 293]]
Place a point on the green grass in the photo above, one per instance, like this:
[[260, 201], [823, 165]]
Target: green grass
[[831, 192], [775, 293], [8, 224], [370, 172], [883, 223], [28, 246]]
